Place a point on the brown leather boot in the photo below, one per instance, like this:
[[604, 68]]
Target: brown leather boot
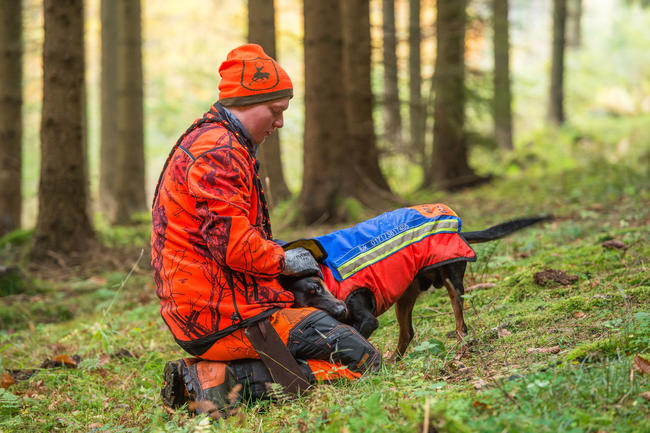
[[194, 380]]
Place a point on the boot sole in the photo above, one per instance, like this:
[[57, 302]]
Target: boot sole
[[173, 390]]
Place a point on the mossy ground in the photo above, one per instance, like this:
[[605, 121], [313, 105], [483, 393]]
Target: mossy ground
[[600, 322]]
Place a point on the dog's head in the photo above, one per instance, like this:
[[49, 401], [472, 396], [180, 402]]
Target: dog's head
[[313, 292]]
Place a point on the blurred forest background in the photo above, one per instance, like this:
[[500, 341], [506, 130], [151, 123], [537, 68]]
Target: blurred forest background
[[498, 108], [601, 72]]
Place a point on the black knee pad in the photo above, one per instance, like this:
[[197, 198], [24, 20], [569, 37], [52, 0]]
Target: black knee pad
[[320, 336]]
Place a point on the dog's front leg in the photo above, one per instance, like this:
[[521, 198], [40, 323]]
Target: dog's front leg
[[361, 306], [404, 312]]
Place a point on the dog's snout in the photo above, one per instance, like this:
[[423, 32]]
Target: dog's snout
[[340, 311]]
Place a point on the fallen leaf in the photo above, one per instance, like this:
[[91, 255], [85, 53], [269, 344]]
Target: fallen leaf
[[645, 395], [503, 332], [205, 406], [169, 410], [104, 359], [479, 287], [642, 364], [94, 425], [479, 383], [615, 244], [553, 349], [479, 405], [122, 353], [234, 394], [302, 426], [71, 361], [100, 281], [550, 277], [579, 314], [6, 380], [62, 361]]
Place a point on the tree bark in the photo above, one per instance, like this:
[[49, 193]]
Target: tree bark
[[502, 96], [325, 124], [392, 115], [361, 142], [574, 24], [261, 30], [556, 99], [11, 101], [131, 167], [417, 113], [62, 227], [450, 168], [332, 170], [108, 167]]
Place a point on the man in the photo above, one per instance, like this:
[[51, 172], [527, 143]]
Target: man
[[215, 264]]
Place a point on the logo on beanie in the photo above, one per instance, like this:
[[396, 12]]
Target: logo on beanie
[[259, 74]]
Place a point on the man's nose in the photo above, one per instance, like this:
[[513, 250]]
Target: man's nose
[[279, 122]]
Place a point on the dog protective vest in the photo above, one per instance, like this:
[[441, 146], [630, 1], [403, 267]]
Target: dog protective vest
[[385, 253]]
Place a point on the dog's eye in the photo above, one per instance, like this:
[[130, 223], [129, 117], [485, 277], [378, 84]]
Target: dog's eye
[[313, 292]]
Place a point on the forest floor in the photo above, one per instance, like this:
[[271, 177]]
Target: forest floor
[[545, 355]]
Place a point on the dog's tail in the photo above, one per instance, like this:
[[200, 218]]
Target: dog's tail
[[500, 230]]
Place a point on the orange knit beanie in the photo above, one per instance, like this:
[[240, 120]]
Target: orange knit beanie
[[249, 76]]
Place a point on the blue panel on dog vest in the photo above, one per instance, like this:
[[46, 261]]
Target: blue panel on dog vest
[[352, 249]]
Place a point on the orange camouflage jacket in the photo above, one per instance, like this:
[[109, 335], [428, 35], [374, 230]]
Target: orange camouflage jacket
[[212, 251]]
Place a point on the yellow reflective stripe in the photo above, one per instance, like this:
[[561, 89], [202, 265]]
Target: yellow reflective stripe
[[413, 235]]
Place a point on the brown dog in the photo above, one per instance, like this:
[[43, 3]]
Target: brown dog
[[360, 305]]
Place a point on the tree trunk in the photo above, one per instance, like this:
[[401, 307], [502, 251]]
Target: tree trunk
[[392, 115], [131, 167], [11, 101], [417, 113], [574, 24], [502, 97], [332, 170], [450, 168], [556, 100], [108, 168], [361, 143], [325, 125], [62, 227], [261, 30]]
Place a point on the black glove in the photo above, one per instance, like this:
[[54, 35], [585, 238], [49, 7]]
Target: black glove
[[300, 263]]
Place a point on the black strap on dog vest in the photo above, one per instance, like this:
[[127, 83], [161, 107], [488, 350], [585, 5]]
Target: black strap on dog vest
[[274, 353]]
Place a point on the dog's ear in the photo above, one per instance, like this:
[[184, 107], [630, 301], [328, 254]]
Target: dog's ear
[[287, 283]]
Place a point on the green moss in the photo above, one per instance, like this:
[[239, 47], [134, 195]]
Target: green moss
[[572, 304], [12, 281], [595, 350], [16, 237]]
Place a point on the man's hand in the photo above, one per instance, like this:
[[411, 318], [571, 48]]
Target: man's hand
[[300, 263]]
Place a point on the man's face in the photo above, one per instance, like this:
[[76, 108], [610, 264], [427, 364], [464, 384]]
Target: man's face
[[260, 120]]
